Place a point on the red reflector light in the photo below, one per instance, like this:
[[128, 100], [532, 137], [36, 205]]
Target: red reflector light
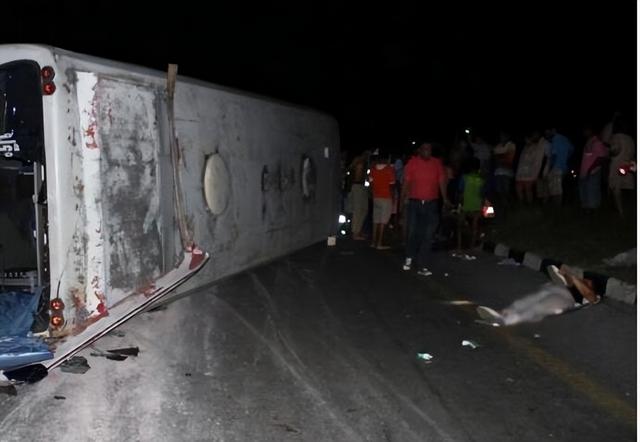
[[57, 304], [57, 321], [48, 88], [47, 73]]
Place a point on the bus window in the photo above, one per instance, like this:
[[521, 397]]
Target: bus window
[[21, 125]]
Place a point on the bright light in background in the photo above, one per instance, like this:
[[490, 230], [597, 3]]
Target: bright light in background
[[342, 219], [467, 131], [366, 184], [344, 232], [413, 142], [368, 171]]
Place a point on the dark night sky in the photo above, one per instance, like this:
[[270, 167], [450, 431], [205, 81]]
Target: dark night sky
[[386, 73]]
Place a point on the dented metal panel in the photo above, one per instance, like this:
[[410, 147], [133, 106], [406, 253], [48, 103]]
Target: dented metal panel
[[129, 142]]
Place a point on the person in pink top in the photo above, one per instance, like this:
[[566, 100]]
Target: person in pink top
[[424, 182], [594, 155], [382, 177]]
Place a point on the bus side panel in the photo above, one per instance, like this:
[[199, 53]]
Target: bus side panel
[[262, 147]]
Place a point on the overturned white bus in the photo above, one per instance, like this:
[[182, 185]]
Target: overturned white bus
[[118, 182]]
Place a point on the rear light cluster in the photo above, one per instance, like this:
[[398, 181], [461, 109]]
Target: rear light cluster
[[57, 317], [48, 86]]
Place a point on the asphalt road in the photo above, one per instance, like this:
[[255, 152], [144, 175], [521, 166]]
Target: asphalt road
[[322, 346]]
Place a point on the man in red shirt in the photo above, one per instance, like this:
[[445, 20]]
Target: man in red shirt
[[382, 178], [424, 182]]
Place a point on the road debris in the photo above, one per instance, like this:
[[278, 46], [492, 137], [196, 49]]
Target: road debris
[[470, 343], [426, 357], [8, 389], [127, 351], [75, 365]]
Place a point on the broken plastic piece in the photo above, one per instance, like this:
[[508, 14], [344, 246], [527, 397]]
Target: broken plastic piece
[[110, 356], [425, 357], [129, 351], [470, 343], [331, 241], [77, 365]]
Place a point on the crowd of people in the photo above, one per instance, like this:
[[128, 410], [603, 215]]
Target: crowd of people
[[465, 181]]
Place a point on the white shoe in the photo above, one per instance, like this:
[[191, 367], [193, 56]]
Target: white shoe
[[407, 264], [556, 277], [424, 272]]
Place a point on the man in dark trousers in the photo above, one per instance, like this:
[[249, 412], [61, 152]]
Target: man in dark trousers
[[424, 182]]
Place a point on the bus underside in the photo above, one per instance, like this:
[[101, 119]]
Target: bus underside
[[24, 276]]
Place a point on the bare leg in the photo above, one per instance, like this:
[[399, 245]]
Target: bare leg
[[520, 192], [380, 235], [529, 192], [376, 230]]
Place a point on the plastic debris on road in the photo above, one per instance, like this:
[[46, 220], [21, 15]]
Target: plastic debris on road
[[128, 351], [509, 262], [426, 357], [76, 365], [470, 343]]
